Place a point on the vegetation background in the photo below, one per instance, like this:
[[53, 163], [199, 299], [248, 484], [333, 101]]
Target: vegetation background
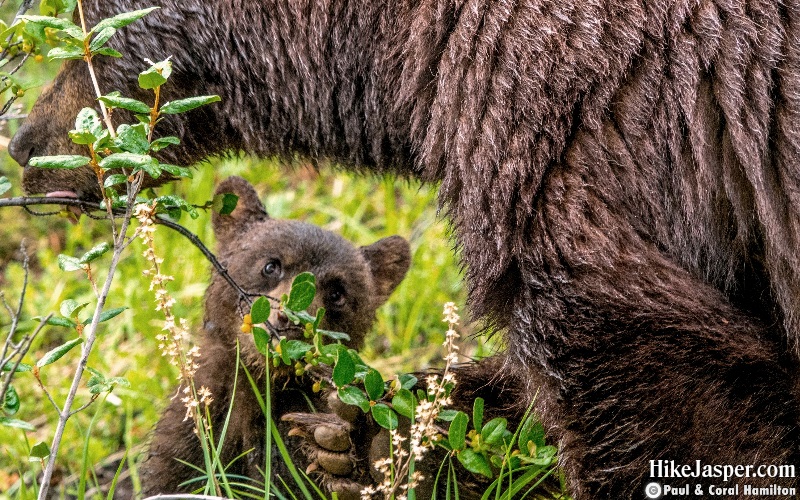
[[407, 335]]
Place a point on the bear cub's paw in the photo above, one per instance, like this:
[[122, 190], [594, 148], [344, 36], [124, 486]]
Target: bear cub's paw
[[330, 448]]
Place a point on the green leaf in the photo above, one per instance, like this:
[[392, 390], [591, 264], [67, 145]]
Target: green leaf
[[407, 381], [95, 253], [302, 293], [99, 384], [115, 100], [98, 387], [11, 403], [296, 349], [318, 318], [96, 382], [403, 402], [225, 203], [58, 161], [175, 170], [57, 23], [305, 277], [129, 160], [108, 51], [475, 463], [55, 354], [458, 431], [104, 140], [107, 315], [447, 415], [65, 322], [101, 38], [121, 20], [21, 368], [133, 139], [373, 383], [188, 104], [477, 414], [260, 310], [89, 121], [353, 396], [53, 8], [70, 308], [18, 424], [531, 430], [67, 263], [334, 335], [79, 137], [163, 142], [33, 31], [284, 352], [5, 185], [261, 338], [40, 451], [494, 430], [156, 75], [344, 370], [384, 416], [114, 180], [174, 204], [120, 381], [65, 53], [546, 455]]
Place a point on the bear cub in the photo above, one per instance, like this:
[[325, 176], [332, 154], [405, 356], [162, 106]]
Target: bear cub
[[263, 255]]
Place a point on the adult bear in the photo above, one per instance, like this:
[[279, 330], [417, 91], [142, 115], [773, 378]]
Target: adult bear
[[622, 177]]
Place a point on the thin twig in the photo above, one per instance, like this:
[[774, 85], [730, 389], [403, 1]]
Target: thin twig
[[161, 220], [17, 350], [23, 8], [86, 405], [20, 351], [25, 264], [88, 58], [86, 206]]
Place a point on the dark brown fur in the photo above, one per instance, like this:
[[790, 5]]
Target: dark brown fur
[[351, 284], [622, 177]]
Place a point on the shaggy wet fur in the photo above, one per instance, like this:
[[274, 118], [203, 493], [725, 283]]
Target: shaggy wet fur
[[622, 177]]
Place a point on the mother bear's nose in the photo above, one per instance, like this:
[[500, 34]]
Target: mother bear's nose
[[21, 146]]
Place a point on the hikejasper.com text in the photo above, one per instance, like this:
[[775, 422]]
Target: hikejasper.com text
[[668, 469]]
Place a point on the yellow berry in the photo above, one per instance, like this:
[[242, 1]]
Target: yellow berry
[[38, 58], [247, 324], [317, 386]]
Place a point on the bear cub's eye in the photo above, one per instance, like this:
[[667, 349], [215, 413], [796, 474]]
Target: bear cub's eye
[[272, 268], [336, 297]]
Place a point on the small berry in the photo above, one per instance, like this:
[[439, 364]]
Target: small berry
[[247, 327]]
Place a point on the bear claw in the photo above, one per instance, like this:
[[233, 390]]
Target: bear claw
[[327, 439]]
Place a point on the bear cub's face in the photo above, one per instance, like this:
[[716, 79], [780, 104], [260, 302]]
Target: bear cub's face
[[263, 255]]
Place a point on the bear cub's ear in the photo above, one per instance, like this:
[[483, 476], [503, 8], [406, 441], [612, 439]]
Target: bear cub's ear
[[389, 259], [249, 209]]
